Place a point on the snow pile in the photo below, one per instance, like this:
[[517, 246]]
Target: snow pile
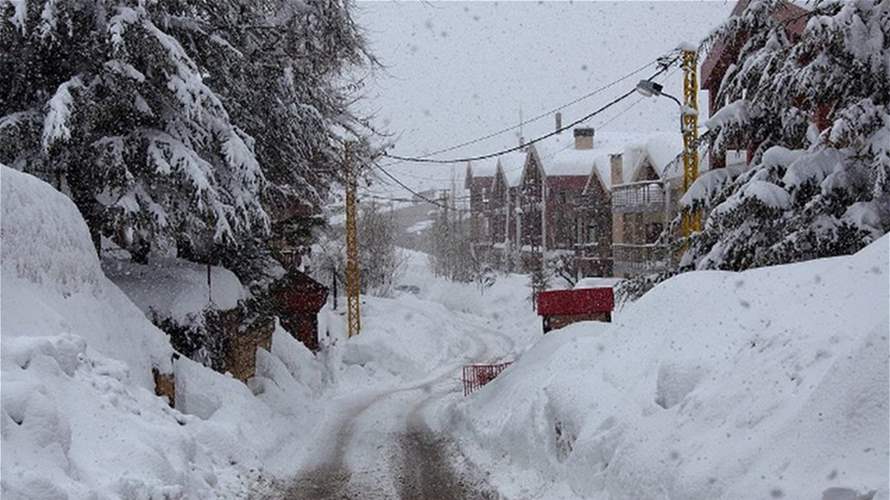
[[769, 383], [174, 288], [53, 283], [79, 415]]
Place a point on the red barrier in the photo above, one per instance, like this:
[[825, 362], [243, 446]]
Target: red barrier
[[475, 376]]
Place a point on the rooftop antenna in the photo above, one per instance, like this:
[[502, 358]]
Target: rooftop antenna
[[521, 123]]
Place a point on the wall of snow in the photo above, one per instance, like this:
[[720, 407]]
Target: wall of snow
[[52, 282], [79, 416], [770, 383]]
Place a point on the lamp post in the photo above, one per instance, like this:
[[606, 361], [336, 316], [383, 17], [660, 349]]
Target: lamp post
[[691, 221], [649, 88]]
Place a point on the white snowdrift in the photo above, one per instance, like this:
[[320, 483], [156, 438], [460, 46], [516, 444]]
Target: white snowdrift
[[404, 337], [53, 283], [175, 288], [770, 383], [79, 415]]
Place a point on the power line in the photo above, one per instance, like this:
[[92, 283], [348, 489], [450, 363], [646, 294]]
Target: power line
[[539, 116], [521, 146], [415, 193], [514, 148]]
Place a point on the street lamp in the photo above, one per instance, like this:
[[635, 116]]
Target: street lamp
[[649, 88], [688, 128]]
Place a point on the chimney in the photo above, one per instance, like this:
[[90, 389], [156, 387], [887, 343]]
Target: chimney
[[617, 164], [558, 122], [584, 138]]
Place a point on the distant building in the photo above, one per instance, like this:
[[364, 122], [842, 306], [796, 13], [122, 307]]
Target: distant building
[[478, 182], [647, 182]]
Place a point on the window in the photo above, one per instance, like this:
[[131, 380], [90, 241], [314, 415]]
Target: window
[[591, 233]]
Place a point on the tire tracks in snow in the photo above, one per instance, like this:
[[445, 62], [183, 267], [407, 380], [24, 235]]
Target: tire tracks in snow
[[383, 446]]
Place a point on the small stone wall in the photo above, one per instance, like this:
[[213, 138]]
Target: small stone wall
[[242, 347], [165, 386]]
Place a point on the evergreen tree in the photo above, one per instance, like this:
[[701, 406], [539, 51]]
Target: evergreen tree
[[817, 111], [180, 123]]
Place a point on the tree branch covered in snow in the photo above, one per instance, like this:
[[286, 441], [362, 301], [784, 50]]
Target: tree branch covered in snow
[[194, 122], [817, 112]]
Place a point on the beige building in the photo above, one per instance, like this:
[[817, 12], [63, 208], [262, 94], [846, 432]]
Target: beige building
[[647, 183]]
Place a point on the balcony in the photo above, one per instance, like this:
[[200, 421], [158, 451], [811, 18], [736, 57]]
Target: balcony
[[630, 259], [635, 197]]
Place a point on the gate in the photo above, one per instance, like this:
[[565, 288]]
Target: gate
[[475, 376]]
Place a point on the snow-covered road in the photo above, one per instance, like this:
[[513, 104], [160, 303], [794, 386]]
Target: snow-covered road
[[381, 444]]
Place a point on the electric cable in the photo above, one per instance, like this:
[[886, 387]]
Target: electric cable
[[426, 159], [539, 116]]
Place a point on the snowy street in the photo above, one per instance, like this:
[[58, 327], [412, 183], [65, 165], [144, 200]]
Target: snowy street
[[444, 250], [382, 444]]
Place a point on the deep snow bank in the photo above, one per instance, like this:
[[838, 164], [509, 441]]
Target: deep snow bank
[[53, 283], [79, 415], [770, 383]]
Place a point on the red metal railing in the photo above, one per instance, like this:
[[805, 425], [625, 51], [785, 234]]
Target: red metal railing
[[475, 376]]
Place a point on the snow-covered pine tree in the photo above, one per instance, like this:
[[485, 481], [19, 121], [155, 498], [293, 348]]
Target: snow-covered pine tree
[[190, 122], [817, 111]]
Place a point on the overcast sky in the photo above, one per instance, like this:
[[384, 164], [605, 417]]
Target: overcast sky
[[455, 71]]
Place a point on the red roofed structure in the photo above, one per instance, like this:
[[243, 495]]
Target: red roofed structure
[[560, 308]]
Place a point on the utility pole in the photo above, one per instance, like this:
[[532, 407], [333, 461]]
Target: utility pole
[[691, 222], [353, 279]]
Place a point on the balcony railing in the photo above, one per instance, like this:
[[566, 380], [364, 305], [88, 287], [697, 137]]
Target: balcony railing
[[631, 259], [645, 196]]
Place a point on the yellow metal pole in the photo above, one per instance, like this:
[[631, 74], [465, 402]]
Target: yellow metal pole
[[353, 279], [691, 218]]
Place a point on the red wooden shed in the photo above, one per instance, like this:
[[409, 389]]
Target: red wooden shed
[[300, 298], [564, 307]]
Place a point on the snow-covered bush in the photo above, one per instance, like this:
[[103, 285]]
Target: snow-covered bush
[[810, 192]]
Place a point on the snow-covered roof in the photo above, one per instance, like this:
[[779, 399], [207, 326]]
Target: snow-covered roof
[[597, 282], [511, 165], [568, 161], [658, 150], [483, 168]]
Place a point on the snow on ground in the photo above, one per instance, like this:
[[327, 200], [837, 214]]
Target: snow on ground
[[770, 383], [175, 288], [404, 337], [79, 415]]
